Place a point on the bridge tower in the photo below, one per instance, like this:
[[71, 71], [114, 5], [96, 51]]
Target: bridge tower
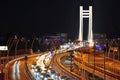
[[86, 14]]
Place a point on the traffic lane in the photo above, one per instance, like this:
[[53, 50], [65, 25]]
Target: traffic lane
[[23, 74], [17, 71]]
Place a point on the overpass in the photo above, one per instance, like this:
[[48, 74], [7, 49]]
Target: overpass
[[112, 72]]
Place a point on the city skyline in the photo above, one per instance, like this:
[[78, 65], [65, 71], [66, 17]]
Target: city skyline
[[62, 16]]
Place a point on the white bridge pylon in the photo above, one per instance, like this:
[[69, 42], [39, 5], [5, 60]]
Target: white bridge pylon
[[86, 14]]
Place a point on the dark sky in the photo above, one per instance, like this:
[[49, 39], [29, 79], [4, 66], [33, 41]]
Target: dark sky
[[56, 16]]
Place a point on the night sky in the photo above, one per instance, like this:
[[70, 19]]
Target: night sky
[[57, 16]]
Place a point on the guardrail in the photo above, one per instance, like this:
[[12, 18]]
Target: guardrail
[[29, 73]]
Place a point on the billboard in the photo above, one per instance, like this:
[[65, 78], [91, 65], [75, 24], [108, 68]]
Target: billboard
[[3, 48]]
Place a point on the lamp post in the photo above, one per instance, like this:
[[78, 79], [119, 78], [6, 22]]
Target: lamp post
[[32, 43], [105, 59], [94, 60], [9, 42], [17, 41], [71, 56], [27, 44], [26, 58]]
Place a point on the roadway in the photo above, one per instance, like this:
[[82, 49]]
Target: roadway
[[59, 67], [91, 63], [110, 71], [15, 69]]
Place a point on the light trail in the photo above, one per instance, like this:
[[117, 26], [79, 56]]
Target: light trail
[[16, 70]]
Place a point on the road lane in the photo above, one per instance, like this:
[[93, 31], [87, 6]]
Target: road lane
[[17, 71]]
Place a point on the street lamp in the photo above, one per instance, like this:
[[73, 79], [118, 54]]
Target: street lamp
[[94, 60], [17, 41], [25, 58], [71, 58], [34, 39], [26, 44], [105, 59], [9, 42]]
